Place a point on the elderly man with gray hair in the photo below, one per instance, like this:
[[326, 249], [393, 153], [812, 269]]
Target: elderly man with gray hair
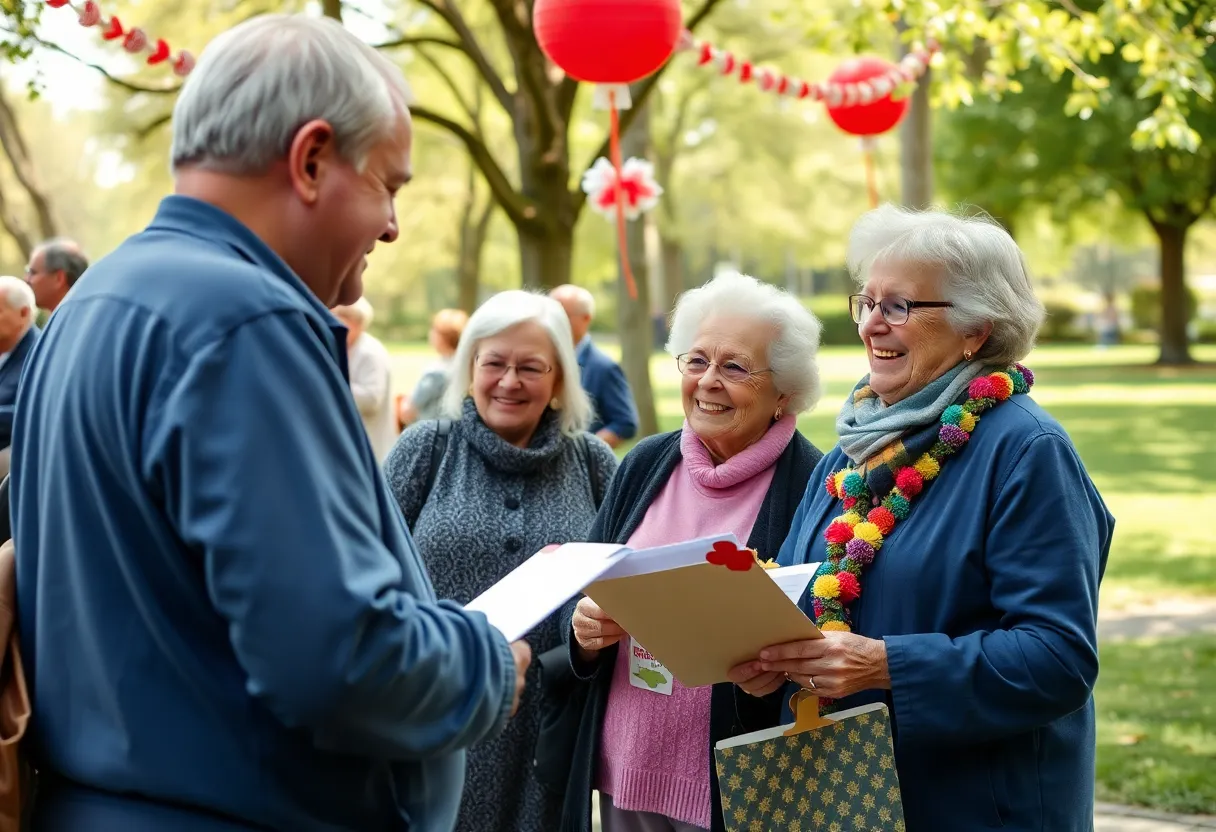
[[54, 267], [226, 623], [18, 335]]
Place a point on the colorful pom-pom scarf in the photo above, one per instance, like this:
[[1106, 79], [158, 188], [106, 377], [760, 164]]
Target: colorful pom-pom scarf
[[874, 502]]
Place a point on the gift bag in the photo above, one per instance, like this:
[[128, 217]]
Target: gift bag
[[821, 774]]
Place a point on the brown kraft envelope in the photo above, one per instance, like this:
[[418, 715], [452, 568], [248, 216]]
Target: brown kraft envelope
[[702, 620]]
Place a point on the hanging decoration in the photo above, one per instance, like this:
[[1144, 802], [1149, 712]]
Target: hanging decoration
[[864, 96], [610, 43], [133, 39], [836, 92], [634, 189]]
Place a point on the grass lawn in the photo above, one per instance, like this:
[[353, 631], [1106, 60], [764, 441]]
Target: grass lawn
[[1147, 436], [1157, 724]]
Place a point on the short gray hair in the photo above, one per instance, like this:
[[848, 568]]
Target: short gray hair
[[984, 273], [18, 294], [501, 312], [792, 354], [584, 300], [256, 84], [65, 255]]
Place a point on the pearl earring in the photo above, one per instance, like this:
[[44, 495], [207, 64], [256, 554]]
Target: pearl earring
[[555, 403]]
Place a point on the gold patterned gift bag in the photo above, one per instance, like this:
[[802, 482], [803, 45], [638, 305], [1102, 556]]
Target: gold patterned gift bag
[[821, 774]]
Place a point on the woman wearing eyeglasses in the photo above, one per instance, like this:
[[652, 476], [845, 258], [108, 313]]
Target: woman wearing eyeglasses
[[961, 539], [746, 353], [517, 472]]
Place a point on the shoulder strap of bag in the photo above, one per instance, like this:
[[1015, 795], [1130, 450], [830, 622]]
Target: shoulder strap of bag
[[443, 429]]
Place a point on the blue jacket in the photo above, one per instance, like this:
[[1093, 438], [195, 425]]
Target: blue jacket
[[227, 625], [611, 398], [10, 376], [987, 599]]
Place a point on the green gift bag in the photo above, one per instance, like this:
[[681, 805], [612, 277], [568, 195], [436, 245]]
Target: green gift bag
[[821, 774]]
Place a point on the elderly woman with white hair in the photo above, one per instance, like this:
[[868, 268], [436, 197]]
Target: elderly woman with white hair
[[747, 356], [513, 471], [961, 540], [371, 376]]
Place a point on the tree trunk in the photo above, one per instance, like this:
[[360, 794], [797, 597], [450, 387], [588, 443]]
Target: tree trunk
[[916, 147], [332, 8], [1175, 346], [673, 268], [634, 323], [474, 227], [19, 158], [545, 256]]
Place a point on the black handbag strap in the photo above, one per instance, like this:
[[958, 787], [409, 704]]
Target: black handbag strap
[[439, 447]]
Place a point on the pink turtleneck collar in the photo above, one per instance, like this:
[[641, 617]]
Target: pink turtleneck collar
[[741, 467]]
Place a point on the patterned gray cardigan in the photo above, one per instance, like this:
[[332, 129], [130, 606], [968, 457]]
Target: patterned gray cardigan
[[493, 505]]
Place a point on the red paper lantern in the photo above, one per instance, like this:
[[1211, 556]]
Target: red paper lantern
[[876, 117], [607, 41]]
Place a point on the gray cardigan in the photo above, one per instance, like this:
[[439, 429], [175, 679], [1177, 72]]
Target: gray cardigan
[[493, 505]]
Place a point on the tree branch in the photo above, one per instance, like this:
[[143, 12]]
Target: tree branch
[[641, 92], [15, 228], [130, 86], [152, 126], [448, 11], [23, 167], [450, 82], [420, 40], [517, 207]]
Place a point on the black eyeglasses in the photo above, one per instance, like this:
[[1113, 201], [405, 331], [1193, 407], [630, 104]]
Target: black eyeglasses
[[698, 365], [895, 310]]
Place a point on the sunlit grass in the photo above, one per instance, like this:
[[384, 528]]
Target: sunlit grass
[[1157, 724]]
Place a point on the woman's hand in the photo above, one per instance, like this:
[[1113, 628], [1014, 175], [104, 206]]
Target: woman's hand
[[593, 630], [835, 666], [755, 680]]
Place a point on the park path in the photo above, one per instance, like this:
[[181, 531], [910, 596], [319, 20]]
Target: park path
[[1180, 616]]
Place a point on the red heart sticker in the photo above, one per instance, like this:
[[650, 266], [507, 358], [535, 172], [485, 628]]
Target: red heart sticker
[[731, 556]]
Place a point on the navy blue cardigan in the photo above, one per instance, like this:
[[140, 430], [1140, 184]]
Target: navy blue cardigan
[[637, 483], [987, 600]]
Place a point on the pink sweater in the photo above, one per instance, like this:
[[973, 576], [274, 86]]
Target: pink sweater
[[654, 750]]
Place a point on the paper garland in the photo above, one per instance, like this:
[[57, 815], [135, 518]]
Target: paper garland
[[134, 39], [909, 70]]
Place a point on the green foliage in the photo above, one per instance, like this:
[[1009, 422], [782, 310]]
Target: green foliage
[[1146, 306]]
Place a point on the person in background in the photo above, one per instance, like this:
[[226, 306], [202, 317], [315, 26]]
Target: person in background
[[225, 623], [518, 472], [54, 267], [370, 375], [18, 335], [615, 417], [747, 356], [426, 400], [962, 543]]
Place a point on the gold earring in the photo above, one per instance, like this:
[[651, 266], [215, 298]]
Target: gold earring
[[777, 415], [967, 354]]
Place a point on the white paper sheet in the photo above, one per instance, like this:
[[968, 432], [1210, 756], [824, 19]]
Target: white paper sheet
[[662, 558], [793, 580], [542, 583]]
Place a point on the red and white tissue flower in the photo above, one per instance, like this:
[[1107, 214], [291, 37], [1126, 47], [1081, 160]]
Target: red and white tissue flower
[[639, 190]]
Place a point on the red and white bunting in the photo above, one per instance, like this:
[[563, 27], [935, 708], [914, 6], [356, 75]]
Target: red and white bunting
[[133, 39], [908, 70]]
